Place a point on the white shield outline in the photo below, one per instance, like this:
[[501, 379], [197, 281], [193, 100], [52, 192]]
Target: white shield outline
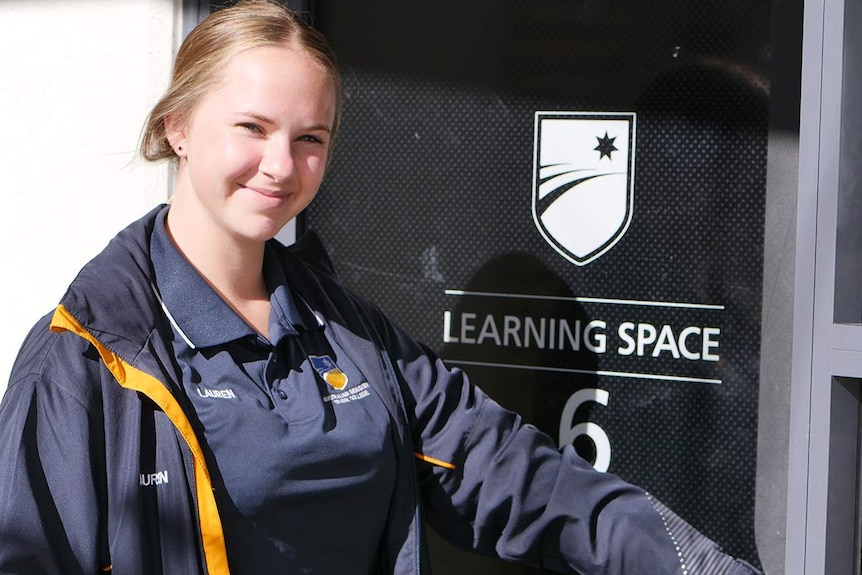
[[612, 239]]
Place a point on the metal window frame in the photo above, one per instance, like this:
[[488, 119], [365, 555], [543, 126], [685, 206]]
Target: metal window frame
[[193, 11], [823, 534]]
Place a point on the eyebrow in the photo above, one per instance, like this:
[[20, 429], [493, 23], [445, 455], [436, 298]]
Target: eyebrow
[[266, 120]]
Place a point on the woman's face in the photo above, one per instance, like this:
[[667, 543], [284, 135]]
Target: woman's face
[[253, 152]]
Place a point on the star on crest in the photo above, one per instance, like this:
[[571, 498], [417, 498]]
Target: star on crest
[[606, 146]]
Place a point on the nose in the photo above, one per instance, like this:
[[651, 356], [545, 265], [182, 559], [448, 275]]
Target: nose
[[277, 161]]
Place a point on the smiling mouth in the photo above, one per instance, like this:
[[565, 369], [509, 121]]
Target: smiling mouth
[[274, 194]]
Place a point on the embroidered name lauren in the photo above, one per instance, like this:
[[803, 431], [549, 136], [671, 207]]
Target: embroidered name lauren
[[218, 393]]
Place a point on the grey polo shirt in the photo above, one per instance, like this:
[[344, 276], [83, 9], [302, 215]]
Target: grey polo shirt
[[298, 444]]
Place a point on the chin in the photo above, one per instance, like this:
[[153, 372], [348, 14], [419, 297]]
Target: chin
[[260, 232], [261, 236]]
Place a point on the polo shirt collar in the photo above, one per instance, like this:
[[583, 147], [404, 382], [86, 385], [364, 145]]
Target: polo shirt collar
[[288, 312], [200, 315]]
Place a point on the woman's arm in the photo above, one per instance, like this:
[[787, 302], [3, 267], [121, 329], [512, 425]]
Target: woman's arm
[[494, 485]]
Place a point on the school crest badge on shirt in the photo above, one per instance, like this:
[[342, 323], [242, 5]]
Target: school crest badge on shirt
[[583, 183], [329, 371]]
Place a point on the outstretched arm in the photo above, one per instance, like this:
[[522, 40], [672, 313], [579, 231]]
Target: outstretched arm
[[496, 486]]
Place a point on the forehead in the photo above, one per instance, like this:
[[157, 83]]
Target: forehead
[[281, 77]]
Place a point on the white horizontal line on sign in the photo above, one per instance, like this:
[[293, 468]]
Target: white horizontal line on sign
[[456, 292], [601, 372]]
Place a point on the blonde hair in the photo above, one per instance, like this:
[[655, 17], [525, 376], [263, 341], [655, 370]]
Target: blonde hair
[[210, 45]]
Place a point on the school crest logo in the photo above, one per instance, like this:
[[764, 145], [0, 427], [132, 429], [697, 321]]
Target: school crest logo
[[331, 373], [583, 181]]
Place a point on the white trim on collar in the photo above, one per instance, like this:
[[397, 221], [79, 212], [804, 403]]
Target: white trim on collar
[[171, 318]]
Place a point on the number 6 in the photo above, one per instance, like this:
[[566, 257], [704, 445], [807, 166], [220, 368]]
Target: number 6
[[568, 432]]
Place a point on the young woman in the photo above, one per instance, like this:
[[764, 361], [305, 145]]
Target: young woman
[[204, 400]]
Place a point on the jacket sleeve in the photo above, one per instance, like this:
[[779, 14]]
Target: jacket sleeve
[[496, 486], [49, 506]]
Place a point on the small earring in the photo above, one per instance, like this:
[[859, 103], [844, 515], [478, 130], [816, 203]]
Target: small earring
[[179, 148]]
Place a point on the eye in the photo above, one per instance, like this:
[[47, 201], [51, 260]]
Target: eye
[[251, 127], [311, 138]]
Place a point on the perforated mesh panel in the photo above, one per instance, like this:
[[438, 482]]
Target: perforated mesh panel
[[431, 189]]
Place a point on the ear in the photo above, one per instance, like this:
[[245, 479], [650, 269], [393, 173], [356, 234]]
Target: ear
[[175, 131]]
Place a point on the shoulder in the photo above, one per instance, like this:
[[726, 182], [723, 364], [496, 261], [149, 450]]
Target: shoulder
[[310, 250], [59, 367], [313, 276], [110, 296], [310, 272]]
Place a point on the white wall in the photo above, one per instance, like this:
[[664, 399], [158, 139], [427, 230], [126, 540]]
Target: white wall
[[77, 79]]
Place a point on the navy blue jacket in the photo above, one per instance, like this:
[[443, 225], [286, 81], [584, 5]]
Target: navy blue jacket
[[101, 469]]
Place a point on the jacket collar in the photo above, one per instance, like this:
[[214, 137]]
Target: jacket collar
[[114, 296]]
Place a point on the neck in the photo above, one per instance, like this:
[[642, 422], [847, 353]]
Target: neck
[[232, 266]]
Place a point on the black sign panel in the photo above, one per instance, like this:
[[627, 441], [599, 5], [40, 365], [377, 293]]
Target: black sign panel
[[566, 199]]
